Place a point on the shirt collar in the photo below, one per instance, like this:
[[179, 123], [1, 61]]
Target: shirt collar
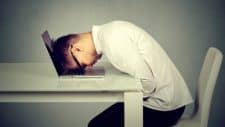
[[97, 43]]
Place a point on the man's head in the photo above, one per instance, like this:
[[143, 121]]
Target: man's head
[[76, 51]]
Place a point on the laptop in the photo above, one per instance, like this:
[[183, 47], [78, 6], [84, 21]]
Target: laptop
[[95, 72]]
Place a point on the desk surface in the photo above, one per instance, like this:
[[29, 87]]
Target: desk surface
[[41, 77]]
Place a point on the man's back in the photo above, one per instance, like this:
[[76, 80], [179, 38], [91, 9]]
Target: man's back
[[132, 50]]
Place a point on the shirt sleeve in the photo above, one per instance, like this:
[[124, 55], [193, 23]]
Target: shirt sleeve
[[149, 87]]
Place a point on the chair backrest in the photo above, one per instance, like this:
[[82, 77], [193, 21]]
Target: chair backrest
[[206, 84]]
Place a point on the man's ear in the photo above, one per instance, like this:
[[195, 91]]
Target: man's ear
[[75, 48], [78, 49]]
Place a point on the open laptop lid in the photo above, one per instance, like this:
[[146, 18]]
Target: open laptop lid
[[49, 46]]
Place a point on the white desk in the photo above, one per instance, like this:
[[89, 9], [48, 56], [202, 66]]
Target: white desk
[[38, 82]]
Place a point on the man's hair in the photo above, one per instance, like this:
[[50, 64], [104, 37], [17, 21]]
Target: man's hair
[[61, 46]]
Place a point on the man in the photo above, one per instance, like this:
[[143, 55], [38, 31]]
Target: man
[[131, 50]]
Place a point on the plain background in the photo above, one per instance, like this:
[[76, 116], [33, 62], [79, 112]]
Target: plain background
[[185, 28]]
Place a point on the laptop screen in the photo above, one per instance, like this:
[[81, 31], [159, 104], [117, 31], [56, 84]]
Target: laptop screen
[[49, 46]]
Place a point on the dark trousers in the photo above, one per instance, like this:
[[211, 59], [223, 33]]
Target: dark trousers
[[114, 117]]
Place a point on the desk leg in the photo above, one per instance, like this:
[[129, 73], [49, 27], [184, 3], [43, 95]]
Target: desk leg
[[133, 109]]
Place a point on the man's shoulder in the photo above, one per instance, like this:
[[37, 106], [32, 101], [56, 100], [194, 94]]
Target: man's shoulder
[[118, 27], [119, 23]]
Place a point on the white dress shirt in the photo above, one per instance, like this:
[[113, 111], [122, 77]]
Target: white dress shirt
[[132, 50]]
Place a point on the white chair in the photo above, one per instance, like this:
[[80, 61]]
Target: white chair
[[204, 92]]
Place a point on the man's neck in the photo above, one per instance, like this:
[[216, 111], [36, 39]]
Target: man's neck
[[88, 41]]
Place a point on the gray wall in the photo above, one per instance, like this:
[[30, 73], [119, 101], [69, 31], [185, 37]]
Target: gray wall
[[185, 28]]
